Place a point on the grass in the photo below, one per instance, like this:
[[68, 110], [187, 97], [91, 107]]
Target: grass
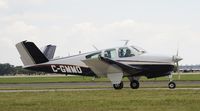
[[184, 77], [104, 100], [55, 87], [189, 77], [109, 100]]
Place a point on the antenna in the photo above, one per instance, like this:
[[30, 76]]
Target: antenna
[[95, 47], [126, 42]]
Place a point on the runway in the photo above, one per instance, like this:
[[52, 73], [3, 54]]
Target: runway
[[103, 84], [91, 86]]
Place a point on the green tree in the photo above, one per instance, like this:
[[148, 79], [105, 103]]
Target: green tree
[[6, 69]]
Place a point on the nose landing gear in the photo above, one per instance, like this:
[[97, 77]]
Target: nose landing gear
[[172, 84]]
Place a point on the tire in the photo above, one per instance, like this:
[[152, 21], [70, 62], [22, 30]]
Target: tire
[[172, 85], [118, 86], [135, 84]]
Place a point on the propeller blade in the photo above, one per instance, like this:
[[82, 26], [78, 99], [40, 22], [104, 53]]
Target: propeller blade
[[179, 75]]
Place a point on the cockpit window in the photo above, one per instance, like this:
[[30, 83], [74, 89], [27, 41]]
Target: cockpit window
[[139, 49], [110, 53], [93, 55], [125, 52]]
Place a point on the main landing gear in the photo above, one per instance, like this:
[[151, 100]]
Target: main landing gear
[[118, 86], [171, 85], [134, 84]]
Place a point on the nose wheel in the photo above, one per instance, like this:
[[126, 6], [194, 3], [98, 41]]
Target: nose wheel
[[172, 84], [118, 86]]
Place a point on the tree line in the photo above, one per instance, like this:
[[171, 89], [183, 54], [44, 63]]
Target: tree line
[[8, 69]]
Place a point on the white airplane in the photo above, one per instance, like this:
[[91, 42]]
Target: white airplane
[[114, 63]]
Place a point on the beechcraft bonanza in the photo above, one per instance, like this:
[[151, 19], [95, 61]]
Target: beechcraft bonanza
[[114, 63]]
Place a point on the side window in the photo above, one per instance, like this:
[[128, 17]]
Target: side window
[[94, 55], [125, 52], [110, 53]]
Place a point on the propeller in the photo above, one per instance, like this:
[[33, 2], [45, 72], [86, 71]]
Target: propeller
[[176, 60], [179, 76]]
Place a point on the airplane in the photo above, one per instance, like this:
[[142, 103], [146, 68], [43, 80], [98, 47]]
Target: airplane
[[114, 63]]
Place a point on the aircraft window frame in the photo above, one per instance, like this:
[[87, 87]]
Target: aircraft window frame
[[122, 52], [111, 54], [93, 55], [139, 49]]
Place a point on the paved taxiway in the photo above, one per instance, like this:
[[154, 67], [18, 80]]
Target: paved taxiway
[[103, 84], [160, 85]]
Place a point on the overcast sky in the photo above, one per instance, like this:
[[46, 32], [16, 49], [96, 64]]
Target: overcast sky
[[159, 26]]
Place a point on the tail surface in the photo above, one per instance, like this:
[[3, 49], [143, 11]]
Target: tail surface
[[30, 53], [49, 51]]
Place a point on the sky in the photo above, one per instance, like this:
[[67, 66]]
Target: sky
[[158, 26]]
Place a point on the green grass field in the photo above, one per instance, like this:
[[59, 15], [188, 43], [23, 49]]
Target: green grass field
[[109, 100], [188, 77]]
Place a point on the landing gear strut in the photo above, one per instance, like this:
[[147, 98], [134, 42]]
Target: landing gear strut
[[118, 86], [134, 84], [171, 85]]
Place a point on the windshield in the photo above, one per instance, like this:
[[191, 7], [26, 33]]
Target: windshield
[[93, 55], [138, 49], [125, 52]]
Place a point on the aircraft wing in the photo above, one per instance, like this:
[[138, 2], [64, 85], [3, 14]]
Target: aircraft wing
[[103, 66]]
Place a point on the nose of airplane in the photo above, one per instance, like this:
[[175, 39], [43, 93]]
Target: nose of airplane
[[177, 58]]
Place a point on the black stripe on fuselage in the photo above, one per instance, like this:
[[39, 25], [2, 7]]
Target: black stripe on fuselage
[[148, 70], [63, 69], [154, 70]]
